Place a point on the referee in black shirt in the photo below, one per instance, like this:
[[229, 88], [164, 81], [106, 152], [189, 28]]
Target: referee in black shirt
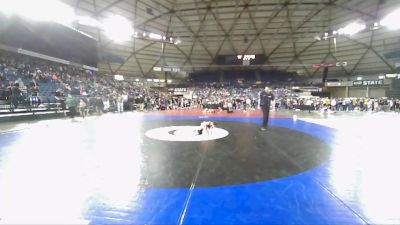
[[265, 103]]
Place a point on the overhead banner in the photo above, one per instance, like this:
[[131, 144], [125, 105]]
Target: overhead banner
[[338, 64], [177, 89], [317, 66], [368, 82], [326, 65], [166, 69], [393, 75]]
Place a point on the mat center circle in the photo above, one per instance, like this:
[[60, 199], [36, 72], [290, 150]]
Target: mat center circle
[[246, 155], [186, 133]]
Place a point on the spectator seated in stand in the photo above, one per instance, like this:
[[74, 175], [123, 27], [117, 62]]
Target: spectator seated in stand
[[39, 83]]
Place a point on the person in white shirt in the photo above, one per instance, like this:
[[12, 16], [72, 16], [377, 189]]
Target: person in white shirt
[[309, 104], [120, 104], [248, 103], [333, 104]]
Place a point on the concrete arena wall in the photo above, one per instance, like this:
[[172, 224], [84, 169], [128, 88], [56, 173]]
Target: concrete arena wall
[[358, 92]]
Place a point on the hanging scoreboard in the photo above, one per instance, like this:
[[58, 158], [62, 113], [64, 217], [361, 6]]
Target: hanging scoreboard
[[257, 59]]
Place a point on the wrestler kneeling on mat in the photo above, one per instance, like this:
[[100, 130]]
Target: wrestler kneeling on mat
[[206, 126]]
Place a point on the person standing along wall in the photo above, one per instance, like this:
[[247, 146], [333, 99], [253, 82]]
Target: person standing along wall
[[72, 104], [120, 103], [15, 96]]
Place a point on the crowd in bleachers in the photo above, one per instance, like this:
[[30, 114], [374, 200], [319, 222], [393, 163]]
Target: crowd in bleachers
[[26, 81], [34, 82], [285, 98], [216, 96], [340, 104]]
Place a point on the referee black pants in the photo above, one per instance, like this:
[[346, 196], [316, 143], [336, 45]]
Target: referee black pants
[[265, 110]]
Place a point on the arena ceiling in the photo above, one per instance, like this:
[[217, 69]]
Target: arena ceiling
[[284, 30]]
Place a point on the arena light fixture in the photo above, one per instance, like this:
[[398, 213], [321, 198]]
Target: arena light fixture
[[155, 36], [375, 26], [43, 10], [249, 57], [317, 38], [118, 77], [391, 21], [11, 7], [64, 14], [157, 68], [352, 29], [177, 41], [117, 28], [87, 21]]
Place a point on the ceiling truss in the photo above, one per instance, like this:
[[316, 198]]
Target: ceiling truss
[[283, 30]]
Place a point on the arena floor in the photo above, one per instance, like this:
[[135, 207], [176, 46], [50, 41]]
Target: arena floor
[[152, 168]]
